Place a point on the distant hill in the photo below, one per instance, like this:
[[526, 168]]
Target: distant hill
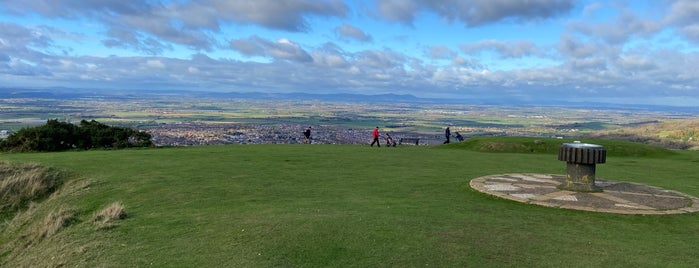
[[67, 93], [72, 93], [325, 97]]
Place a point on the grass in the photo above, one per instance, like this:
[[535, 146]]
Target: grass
[[23, 183], [339, 206]]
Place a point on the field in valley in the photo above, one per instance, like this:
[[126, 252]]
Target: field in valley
[[181, 119]]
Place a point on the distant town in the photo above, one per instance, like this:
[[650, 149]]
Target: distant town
[[203, 133]]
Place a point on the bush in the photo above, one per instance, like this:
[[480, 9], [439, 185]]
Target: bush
[[60, 136]]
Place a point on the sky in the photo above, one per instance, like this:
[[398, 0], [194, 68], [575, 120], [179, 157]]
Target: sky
[[615, 51]]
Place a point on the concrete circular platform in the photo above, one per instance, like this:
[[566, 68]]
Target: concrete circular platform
[[616, 197]]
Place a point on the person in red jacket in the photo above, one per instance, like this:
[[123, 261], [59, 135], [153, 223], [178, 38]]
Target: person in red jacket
[[376, 136]]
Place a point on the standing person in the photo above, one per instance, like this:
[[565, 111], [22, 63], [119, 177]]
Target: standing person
[[307, 134], [447, 134], [376, 136]]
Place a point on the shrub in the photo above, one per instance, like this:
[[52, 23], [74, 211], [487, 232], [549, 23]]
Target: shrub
[[61, 136]]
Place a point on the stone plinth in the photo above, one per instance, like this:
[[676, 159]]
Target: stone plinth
[[581, 159]]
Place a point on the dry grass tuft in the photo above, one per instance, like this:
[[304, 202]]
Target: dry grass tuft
[[55, 221], [22, 183], [108, 216], [36, 232]]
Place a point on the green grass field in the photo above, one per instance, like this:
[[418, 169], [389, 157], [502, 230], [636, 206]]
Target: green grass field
[[343, 206]]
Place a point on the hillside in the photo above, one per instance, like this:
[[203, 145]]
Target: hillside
[[679, 133], [334, 206], [529, 145]]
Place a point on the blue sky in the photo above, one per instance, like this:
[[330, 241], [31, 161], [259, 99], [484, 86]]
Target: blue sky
[[643, 52]]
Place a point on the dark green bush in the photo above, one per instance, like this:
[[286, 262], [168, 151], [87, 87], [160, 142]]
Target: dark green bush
[[60, 136]]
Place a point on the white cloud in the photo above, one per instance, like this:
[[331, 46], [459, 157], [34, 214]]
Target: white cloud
[[624, 26], [683, 13], [282, 49], [385, 59], [349, 32], [155, 64], [510, 49], [683, 16], [148, 25], [440, 52], [474, 12], [285, 15], [691, 32], [636, 62]]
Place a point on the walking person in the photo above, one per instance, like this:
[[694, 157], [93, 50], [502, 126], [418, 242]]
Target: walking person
[[376, 136], [307, 134], [447, 134]]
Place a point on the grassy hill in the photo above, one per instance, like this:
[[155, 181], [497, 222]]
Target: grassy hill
[[677, 133], [338, 206], [550, 145]]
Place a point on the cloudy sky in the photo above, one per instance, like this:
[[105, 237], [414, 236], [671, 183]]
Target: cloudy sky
[[633, 51]]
